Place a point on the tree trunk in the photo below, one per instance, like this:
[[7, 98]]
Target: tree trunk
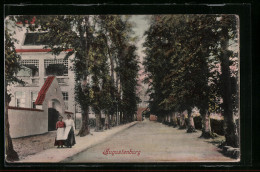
[[182, 121], [124, 119], [170, 120], [206, 128], [163, 119], [11, 154], [113, 120], [191, 126], [128, 118], [99, 126], [174, 120], [159, 118], [84, 130], [107, 122], [131, 118], [121, 117], [229, 124]]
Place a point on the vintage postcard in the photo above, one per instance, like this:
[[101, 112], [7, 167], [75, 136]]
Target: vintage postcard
[[122, 88]]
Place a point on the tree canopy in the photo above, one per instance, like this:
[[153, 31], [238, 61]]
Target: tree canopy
[[188, 50], [105, 63]]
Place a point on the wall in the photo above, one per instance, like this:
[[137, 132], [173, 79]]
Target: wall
[[54, 93], [26, 122]]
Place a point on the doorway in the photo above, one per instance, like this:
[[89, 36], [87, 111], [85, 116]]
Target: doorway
[[53, 116]]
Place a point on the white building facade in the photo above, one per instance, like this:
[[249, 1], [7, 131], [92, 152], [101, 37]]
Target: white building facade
[[37, 64]]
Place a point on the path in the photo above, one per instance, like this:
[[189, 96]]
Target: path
[[156, 143]]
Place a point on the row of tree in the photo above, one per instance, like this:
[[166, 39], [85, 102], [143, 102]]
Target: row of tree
[[190, 63], [105, 62]]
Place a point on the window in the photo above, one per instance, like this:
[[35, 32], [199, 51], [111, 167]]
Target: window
[[20, 99], [29, 68], [58, 67], [33, 99], [66, 99], [35, 39]]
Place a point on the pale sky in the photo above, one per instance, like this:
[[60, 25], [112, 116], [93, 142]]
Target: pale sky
[[142, 25]]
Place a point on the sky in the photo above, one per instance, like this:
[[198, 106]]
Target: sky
[[142, 25]]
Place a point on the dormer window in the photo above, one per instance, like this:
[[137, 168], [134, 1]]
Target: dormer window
[[35, 39]]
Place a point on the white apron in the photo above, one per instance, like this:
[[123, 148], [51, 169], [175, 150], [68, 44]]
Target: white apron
[[60, 134], [69, 124]]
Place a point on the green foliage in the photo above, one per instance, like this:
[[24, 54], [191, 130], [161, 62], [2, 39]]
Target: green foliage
[[181, 59], [184, 48], [188, 63], [12, 65], [101, 45]]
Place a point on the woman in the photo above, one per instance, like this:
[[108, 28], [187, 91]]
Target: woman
[[69, 132], [60, 126]]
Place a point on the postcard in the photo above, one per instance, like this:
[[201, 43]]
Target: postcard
[[105, 88]]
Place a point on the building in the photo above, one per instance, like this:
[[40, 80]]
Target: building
[[37, 64], [49, 105]]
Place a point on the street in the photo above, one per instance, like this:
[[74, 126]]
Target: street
[[152, 142]]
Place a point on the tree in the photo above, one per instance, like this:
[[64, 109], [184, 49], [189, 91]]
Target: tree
[[181, 53], [192, 45], [12, 66], [228, 26], [155, 61], [75, 33], [129, 70], [120, 42], [96, 42]]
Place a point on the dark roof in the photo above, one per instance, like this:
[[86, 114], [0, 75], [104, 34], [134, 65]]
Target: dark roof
[[43, 91]]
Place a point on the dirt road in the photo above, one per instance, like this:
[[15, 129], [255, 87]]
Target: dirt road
[[152, 142]]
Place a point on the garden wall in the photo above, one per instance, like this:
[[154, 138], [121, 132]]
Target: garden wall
[[27, 121]]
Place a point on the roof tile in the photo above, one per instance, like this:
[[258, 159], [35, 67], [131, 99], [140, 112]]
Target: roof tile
[[43, 91]]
